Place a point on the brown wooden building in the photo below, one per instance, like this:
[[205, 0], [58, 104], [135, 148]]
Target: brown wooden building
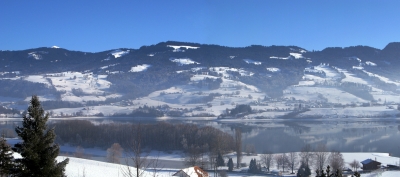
[[369, 165]]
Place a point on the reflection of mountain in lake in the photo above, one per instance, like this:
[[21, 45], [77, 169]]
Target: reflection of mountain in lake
[[345, 136]]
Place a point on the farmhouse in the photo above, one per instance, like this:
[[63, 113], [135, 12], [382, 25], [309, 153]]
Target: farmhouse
[[191, 172], [370, 164]]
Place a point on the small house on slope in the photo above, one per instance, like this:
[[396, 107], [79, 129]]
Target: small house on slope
[[370, 164], [191, 172]]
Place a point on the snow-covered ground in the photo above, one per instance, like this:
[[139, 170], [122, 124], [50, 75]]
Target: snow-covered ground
[[140, 68], [119, 53], [89, 168], [250, 61], [183, 61]]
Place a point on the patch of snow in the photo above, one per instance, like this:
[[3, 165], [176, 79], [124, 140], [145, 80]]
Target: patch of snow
[[140, 68], [181, 71], [249, 61], [119, 53], [243, 72], [182, 46], [303, 51], [183, 61], [35, 55], [296, 55], [105, 67], [198, 69], [273, 69], [232, 57], [351, 77], [384, 79], [313, 70], [55, 47], [358, 67], [370, 63], [37, 79], [355, 58], [114, 72], [281, 58], [306, 83]]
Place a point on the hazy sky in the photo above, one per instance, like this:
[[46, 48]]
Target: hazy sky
[[104, 24]]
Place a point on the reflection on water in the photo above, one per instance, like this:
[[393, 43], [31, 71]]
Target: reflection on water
[[363, 135]]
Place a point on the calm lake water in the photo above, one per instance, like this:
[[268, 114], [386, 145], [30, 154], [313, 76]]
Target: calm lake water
[[345, 135]]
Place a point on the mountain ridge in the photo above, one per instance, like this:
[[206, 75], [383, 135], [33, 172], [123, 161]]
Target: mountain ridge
[[261, 72]]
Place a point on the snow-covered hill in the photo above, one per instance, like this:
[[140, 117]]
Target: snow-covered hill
[[200, 80]]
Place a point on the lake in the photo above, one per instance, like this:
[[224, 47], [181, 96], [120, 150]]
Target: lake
[[345, 135]]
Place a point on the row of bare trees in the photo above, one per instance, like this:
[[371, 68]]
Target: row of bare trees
[[317, 158]]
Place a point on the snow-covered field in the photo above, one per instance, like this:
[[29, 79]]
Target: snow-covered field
[[84, 167]]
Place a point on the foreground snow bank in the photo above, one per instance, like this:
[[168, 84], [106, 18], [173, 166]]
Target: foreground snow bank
[[90, 168]]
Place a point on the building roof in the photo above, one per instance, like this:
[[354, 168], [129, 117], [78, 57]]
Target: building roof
[[367, 161], [193, 172]]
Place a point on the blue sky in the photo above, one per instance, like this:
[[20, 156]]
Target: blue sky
[[100, 25]]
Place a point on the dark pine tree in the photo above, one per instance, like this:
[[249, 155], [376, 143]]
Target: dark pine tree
[[254, 168], [6, 158], [230, 164], [303, 171], [37, 148], [220, 160]]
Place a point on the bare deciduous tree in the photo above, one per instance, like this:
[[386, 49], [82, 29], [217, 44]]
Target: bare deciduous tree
[[267, 159], [306, 155], [114, 153], [284, 161], [193, 156], [79, 152], [138, 157], [293, 160], [321, 156], [355, 164], [238, 146], [336, 161], [281, 160]]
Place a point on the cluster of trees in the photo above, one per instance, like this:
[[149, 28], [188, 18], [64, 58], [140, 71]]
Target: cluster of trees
[[209, 83], [254, 167], [204, 99], [146, 111], [317, 158], [159, 136], [55, 104], [37, 148], [275, 84], [22, 89], [358, 90], [240, 109]]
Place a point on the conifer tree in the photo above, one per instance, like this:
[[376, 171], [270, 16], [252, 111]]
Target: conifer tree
[[304, 170], [37, 148], [220, 160], [230, 164], [6, 158]]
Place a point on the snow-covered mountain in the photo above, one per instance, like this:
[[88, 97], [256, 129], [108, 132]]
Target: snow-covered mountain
[[197, 80]]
